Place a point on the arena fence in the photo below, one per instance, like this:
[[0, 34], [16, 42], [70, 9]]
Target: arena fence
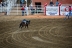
[[16, 10], [44, 10]]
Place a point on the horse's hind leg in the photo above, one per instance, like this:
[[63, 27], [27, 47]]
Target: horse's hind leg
[[19, 26]]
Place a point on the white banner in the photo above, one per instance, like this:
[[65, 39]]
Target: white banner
[[62, 10], [52, 10], [26, 0]]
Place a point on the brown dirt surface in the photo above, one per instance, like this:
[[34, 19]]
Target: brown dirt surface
[[43, 32], [29, 17]]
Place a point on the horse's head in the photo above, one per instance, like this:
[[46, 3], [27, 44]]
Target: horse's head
[[28, 21]]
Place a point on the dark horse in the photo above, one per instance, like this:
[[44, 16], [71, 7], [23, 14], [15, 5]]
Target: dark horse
[[22, 24]]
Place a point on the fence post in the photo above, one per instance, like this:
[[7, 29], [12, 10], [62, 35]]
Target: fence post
[[17, 9], [59, 10], [45, 10]]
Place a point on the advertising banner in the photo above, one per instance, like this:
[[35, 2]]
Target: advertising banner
[[64, 10], [52, 10]]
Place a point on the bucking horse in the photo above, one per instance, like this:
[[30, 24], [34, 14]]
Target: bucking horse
[[24, 23]]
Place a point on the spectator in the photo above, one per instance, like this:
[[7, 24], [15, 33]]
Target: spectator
[[57, 3], [32, 9], [69, 10], [6, 3], [23, 10], [1, 8], [21, 2], [68, 13], [3, 4], [51, 3], [26, 10], [0, 5]]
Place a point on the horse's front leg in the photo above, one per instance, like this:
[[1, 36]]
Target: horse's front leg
[[27, 26]]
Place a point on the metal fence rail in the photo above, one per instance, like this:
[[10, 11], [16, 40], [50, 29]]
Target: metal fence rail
[[16, 10]]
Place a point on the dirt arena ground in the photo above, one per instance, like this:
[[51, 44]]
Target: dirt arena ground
[[43, 32]]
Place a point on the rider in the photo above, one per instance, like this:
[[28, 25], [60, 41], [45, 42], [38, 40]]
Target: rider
[[24, 20]]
